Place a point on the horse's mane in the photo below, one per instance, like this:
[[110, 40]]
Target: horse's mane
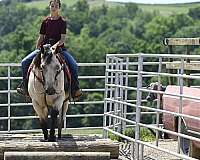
[[37, 60]]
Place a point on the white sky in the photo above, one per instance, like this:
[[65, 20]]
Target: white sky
[[157, 1]]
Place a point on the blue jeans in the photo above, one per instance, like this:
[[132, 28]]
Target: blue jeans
[[68, 58]]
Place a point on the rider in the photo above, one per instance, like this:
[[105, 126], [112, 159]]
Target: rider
[[53, 31]]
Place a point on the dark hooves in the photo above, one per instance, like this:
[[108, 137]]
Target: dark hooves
[[52, 139], [44, 140]]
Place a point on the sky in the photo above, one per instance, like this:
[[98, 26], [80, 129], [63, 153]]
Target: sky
[[157, 1]]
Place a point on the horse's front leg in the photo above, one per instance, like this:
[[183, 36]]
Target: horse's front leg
[[42, 112], [44, 126], [62, 113], [54, 114]]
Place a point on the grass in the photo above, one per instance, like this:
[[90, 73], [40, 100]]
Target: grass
[[167, 9], [164, 9], [145, 135], [84, 131], [42, 4]]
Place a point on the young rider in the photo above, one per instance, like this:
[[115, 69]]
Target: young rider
[[53, 31]]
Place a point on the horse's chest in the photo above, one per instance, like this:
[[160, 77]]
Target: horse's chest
[[51, 100]]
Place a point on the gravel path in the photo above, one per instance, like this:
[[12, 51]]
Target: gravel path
[[150, 153]]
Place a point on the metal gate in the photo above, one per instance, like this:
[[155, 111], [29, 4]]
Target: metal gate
[[127, 76]]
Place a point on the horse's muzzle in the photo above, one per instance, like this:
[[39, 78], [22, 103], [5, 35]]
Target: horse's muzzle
[[50, 91], [149, 98]]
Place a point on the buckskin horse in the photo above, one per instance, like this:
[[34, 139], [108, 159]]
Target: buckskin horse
[[47, 91]]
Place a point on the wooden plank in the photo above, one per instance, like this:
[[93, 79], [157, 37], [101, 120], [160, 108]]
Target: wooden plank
[[23, 142], [187, 66], [181, 41], [56, 155]]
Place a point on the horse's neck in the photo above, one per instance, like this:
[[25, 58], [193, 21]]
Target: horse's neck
[[161, 101]]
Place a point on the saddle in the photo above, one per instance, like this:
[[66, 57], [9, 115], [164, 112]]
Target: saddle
[[67, 73]]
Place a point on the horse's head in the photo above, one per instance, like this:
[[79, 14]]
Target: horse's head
[[52, 70], [154, 86]]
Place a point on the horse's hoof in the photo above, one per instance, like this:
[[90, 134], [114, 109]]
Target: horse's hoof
[[52, 139], [44, 140]]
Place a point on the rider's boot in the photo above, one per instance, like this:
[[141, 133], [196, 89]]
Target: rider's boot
[[23, 88], [76, 91]]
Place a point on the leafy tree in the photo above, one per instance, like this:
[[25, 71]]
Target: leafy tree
[[96, 13], [188, 32], [132, 10], [194, 12], [93, 109], [138, 24], [81, 6]]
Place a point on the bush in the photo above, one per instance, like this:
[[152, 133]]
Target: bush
[[145, 135]]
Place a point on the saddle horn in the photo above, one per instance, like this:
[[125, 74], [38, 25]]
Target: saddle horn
[[46, 47]]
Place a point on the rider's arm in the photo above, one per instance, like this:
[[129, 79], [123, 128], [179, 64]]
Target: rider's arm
[[61, 41], [40, 40], [63, 34]]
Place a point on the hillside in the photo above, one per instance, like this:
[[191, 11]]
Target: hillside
[[164, 9]]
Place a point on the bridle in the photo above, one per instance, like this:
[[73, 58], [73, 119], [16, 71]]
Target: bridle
[[41, 77]]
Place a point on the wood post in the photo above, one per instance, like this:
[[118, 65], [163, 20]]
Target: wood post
[[181, 42], [56, 155], [67, 144]]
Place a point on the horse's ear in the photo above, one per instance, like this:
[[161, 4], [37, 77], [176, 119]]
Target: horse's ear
[[46, 47], [41, 49], [56, 49], [163, 88]]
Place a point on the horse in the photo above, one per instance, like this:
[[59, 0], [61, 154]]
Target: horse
[[46, 89], [153, 96]]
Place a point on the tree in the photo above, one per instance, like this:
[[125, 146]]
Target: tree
[[77, 16], [194, 12], [132, 10]]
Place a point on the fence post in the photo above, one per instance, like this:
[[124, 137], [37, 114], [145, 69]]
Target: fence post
[[125, 96], [159, 100], [105, 132], [9, 121], [138, 104], [111, 92], [180, 104]]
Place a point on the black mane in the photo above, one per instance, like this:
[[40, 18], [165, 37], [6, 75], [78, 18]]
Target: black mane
[[37, 60]]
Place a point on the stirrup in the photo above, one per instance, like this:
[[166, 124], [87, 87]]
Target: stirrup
[[21, 90], [76, 96]]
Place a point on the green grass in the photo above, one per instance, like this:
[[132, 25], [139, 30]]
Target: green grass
[[84, 131], [164, 9], [167, 9], [41, 4]]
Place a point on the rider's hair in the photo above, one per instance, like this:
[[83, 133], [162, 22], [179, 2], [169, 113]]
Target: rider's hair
[[58, 1]]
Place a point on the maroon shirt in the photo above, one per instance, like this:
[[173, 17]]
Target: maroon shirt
[[52, 29]]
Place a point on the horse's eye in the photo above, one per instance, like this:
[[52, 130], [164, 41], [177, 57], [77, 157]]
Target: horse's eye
[[42, 66], [57, 67]]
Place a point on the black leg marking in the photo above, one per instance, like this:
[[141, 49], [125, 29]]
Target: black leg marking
[[44, 126], [54, 114], [60, 122]]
